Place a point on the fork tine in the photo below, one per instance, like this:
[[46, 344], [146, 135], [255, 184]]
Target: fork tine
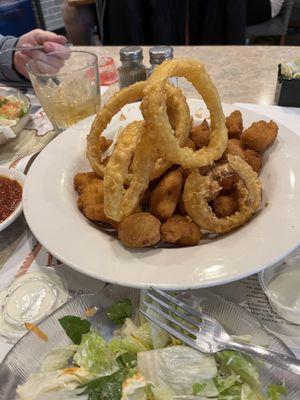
[[182, 305], [173, 310], [171, 319], [171, 330]]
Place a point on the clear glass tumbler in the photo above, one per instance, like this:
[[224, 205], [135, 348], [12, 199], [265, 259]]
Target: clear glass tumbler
[[67, 86]]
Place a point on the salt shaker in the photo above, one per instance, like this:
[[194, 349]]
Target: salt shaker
[[158, 55], [132, 69]]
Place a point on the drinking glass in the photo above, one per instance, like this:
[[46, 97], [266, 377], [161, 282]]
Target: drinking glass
[[67, 86], [108, 71]]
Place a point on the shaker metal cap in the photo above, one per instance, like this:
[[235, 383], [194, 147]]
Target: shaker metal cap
[[160, 53], [131, 53]]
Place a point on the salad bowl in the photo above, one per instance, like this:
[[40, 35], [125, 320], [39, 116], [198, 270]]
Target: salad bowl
[[29, 353], [12, 101]]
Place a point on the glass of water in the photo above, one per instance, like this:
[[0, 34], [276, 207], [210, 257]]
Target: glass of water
[[67, 86]]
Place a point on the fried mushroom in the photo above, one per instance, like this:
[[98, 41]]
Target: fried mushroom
[[82, 179], [180, 230], [165, 196], [260, 135], [253, 158], [200, 135], [223, 206], [139, 230], [234, 124], [91, 200], [235, 147]]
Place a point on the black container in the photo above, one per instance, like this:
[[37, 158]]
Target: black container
[[287, 91]]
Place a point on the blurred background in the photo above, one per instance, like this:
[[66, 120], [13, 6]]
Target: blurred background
[[145, 22]]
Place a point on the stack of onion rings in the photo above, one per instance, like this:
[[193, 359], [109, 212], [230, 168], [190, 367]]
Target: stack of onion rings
[[146, 149]]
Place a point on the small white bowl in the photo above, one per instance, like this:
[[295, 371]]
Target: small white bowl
[[19, 125], [288, 313], [20, 178]]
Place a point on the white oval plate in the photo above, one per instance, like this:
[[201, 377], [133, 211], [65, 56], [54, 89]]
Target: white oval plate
[[20, 178], [50, 209]]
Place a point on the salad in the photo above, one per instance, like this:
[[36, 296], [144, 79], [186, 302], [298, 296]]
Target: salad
[[140, 362], [11, 110]]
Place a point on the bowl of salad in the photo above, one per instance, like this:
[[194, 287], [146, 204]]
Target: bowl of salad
[[98, 347], [14, 113]]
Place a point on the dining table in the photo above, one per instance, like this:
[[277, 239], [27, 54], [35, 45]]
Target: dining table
[[245, 76]]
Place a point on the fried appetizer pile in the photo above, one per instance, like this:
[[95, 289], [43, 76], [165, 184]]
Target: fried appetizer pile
[[169, 179]]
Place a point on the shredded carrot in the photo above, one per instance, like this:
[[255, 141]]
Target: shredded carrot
[[70, 370], [35, 329], [90, 312]]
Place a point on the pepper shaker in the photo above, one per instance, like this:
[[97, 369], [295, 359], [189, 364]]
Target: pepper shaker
[[158, 55], [132, 69]]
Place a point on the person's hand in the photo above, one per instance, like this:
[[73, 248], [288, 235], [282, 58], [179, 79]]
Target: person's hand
[[50, 42]]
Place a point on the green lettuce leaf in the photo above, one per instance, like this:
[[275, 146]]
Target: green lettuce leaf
[[94, 355], [228, 387], [206, 388], [139, 339], [136, 388], [58, 358], [42, 383], [176, 368], [239, 364], [127, 360], [107, 387], [224, 383], [232, 393], [275, 391], [75, 327], [120, 311]]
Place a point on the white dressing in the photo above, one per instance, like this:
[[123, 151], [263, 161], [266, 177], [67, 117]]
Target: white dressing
[[285, 288], [30, 298]]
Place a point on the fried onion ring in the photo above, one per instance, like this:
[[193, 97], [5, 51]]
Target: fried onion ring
[[133, 141], [199, 188], [154, 110], [180, 115]]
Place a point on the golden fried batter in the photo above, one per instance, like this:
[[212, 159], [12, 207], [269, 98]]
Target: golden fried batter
[[90, 202], [104, 143], [190, 143], [228, 181], [235, 147], [260, 135], [200, 135], [180, 230], [253, 158], [165, 196], [82, 179], [180, 209], [225, 175], [223, 206], [139, 230], [234, 124]]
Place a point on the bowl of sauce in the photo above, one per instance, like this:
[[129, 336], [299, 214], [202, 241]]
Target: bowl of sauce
[[281, 285], [11, 188]]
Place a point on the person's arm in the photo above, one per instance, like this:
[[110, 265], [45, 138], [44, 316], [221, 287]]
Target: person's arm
[[7, 71], [13, 64]]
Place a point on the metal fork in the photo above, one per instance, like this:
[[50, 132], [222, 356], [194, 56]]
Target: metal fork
[[29, 48], [204, 333]]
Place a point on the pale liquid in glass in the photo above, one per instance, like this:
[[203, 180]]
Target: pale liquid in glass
[[63, 114], [69, 102]]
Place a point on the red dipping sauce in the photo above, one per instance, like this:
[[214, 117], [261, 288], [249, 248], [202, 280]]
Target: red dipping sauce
[[10, 196]]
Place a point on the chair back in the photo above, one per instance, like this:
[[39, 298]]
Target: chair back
[[285, 12]]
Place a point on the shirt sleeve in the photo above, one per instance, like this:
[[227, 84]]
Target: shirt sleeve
[[7, 71]]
